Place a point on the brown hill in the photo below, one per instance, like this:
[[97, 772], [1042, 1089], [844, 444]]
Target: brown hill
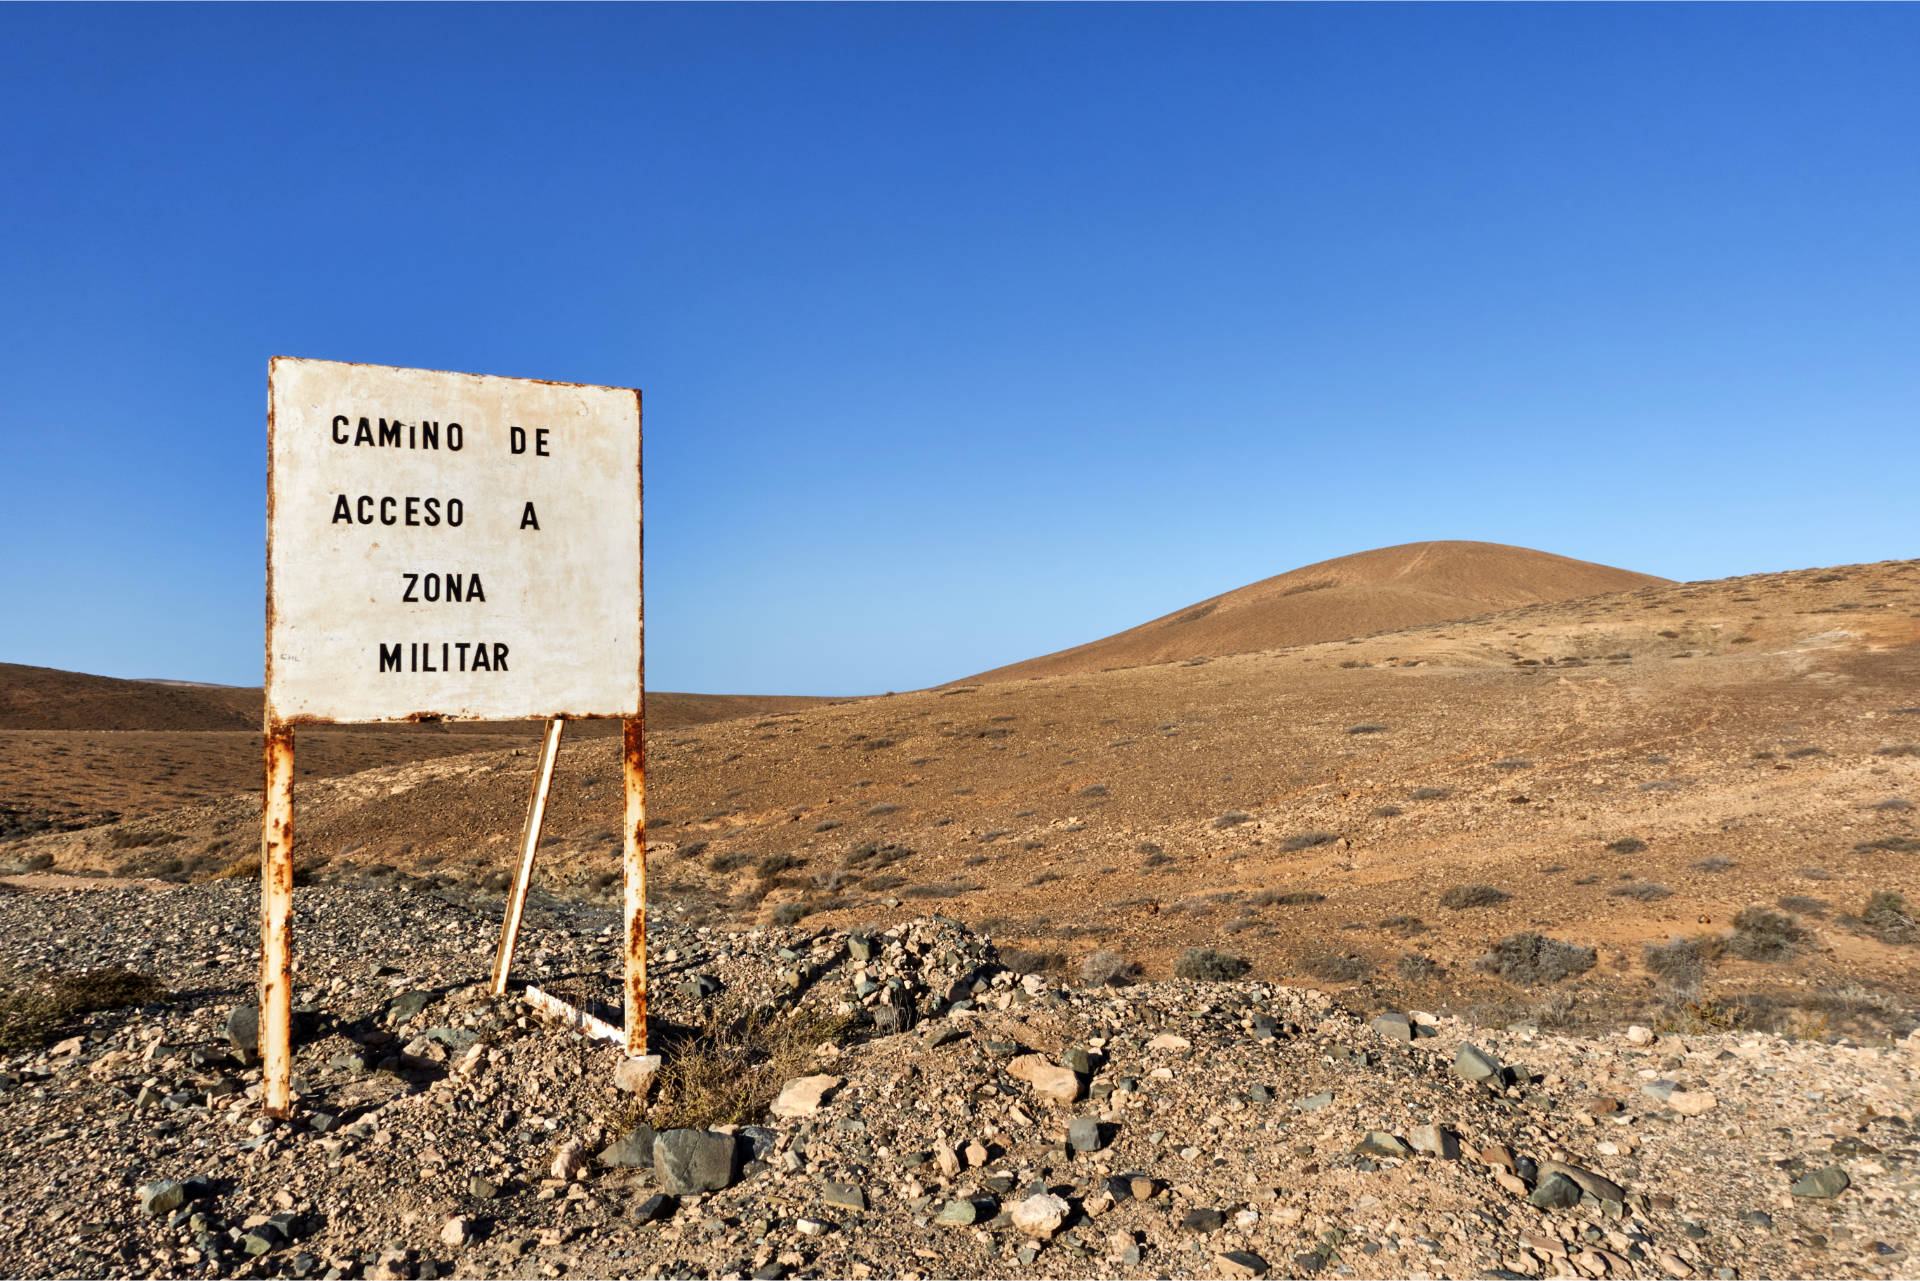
[[1376, 591], [47, 698]]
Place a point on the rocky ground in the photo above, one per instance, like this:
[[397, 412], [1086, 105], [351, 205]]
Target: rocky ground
[[964, 1121]]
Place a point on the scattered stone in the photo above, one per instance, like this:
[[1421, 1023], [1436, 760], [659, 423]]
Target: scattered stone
[[1039, 1215], [243, 1029], [1380, 1143], [654, 1208], [1169, 1041], [1204, 1220], [634, 1149], [804, 1095], [633, 1076], [1241, 1264], [961, 1213], [1314, 1102], [1395, 1027], [1050, 1081], [1691, 1102], [692, 1161], [570, 1162], [456, 1232], [161, 1198], [1555, 1192], [1435, 1140], [850, 1196], [1822, 1184], [1601, 1189], [1475, 1064], [1083, 1134], [481, 1188]]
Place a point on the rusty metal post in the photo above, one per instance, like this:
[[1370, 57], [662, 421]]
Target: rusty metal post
[[634, 859], [529, 842], [276, 905]]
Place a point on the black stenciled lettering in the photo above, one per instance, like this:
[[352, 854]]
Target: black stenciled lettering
[[390, 433], [480, 657], [433, 511], [341, 511], [413, 510], [443, 657], [413, 656], [429, 435], [540, 442], [528, 518], [499, 657], [456, 436], [432, 588], [413, 582], [365, 435], [339, 421], [364, 508], [390, 658], [474, 590], [456, 512], [385, 505], [516, 440], [426, 659], [463, 647]]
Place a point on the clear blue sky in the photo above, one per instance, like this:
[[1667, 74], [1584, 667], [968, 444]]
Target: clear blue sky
[[968, 332]]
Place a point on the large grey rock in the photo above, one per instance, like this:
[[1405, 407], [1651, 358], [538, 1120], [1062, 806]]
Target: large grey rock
[[1556, 1192], [1435, 1140], [1083, 1134], [1395, 1027], [243, 1029], [1601, 1189], [1380, 1143], [1475, 1064], [958, 1213], [162, 1197], [635, 1149], [692, 1161], [848, 1196], [1822, 1184], [408, 1005]]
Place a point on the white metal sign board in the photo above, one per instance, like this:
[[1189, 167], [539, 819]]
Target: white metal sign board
[[450, 546]]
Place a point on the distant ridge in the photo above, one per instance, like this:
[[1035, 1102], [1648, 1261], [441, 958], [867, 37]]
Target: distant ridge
[[1374, 591], [47, 698]]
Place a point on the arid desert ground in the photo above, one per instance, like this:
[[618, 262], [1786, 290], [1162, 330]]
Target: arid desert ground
[[1527, 803]]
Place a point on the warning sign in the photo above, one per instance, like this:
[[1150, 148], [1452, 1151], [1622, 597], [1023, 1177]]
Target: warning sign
[[452, 546]]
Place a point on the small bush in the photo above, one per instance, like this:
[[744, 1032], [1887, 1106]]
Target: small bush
[[1404, 926], [39, 1009], [1892, 803], [1431, 793], [1417, 967], [1107, 969], [789, 913], [1388, 811], [774, 864], [1713, 864], [1895, 844], [1289, 898], [1461, 897], [1332, 968], [1888, 918], [1626, 845], [1513, 763], [1147, 847], [1232, 818], [1680, 963], [1206, 965], [940, 891], [1899, 749], [729, 1070], [1801, 753], [1023, 961], [1157, 859], [1641, 891], [1367, 727], [1804, 904], [878, 811], [729, 862], [1528, 958], [1096, 790], [1763, 935], [1308, 840], [1816, 874], [827, 826]]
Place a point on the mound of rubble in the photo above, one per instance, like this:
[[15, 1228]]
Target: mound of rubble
[[968, 1121]]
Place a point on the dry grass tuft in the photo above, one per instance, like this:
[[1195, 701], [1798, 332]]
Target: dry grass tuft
[[1461, 897], [1206, 965], [730, 1068], [1763, 935], [36, 1010], [1529, 958]]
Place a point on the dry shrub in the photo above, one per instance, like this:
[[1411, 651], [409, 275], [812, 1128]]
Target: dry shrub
[[1713, 864], [244, 868], [1308, 840], [1626, 845], [1232, 818], [1107, 969], [1431, 793], [1888, 918], [1461, 897], [1290, 898], [1641, 891], [1417, 967], [38, 1009], [1206, 965], [1331, 968], [1025, 961], [1681, 963], [732, 1065], [1804, 904], [790, 913], [1763, 935], [1528, 958], [1367, 727], [1404, 926]]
